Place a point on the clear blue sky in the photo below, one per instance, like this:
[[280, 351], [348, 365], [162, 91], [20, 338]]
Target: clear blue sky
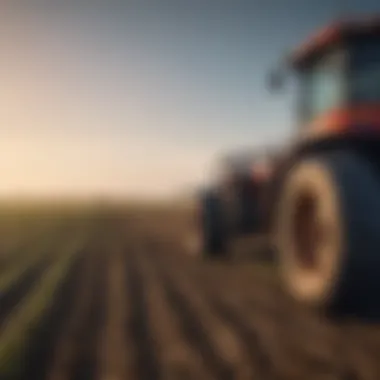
[[131, 99]]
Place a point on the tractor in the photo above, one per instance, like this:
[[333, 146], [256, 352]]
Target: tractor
[[325, 212], [322, 197]]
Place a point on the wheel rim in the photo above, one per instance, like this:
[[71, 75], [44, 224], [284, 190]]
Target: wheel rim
[[304, 256], [306, 232]]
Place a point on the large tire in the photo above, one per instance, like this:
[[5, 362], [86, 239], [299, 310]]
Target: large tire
[[213, 226], [327, 235], [208, 237]]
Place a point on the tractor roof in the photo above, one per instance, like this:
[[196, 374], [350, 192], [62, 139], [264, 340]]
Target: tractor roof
[[333, 34]]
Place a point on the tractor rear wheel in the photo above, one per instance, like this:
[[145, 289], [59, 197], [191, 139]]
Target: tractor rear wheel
[[327, 234]]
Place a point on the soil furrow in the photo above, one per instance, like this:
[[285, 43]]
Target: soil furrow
[[255, 355], [209, 286], [275, 335], [261, 360], [45, 338], [147, 365], [178, 359], [68, 348], [260, 338], [115, 360], [86, 363], [262, 342], [284, 335], [203, 330], [287, 364], [131, 308]]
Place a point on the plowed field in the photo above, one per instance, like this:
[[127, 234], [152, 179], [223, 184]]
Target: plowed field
[[132, 305]]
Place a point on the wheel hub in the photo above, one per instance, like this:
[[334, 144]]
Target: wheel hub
[[307, 231]]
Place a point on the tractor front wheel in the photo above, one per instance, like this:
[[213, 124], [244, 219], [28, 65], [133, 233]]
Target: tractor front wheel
[[208, 238]]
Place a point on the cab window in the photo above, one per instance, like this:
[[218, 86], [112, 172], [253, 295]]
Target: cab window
[[322, 86]]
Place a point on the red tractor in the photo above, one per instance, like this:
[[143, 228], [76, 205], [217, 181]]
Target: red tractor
[[326, 208], [323, 199]]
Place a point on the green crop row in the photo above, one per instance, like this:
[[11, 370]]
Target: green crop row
[[15, 339], [29, 254]]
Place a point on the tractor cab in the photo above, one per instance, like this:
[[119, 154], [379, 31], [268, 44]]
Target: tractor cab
[[338, 79]]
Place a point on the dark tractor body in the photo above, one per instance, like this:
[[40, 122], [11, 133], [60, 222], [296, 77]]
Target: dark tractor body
[[213, 223], [320, 202], [325, 212]]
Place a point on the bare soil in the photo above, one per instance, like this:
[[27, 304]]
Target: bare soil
[[137, 307]]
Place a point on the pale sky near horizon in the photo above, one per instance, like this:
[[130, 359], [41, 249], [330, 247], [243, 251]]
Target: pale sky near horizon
[[135, 100]]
